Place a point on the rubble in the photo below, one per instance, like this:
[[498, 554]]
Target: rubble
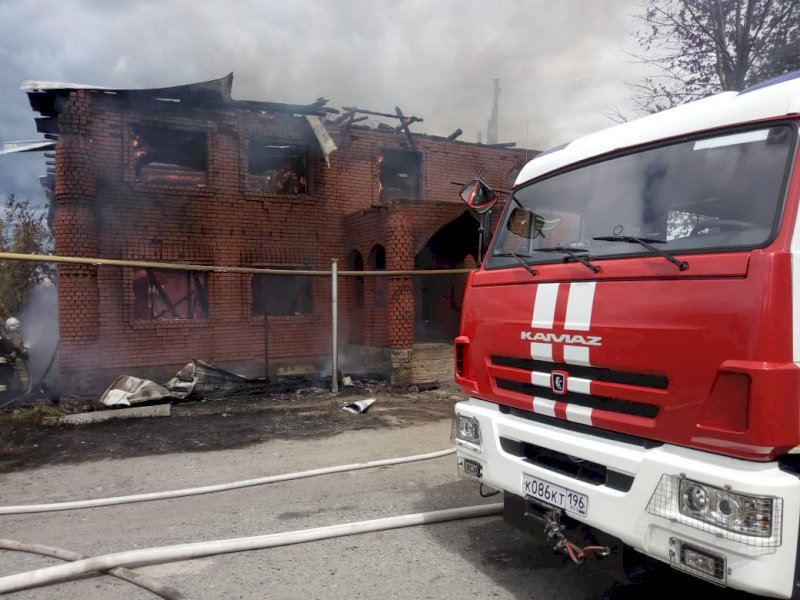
[[198, 378], [359, 406]]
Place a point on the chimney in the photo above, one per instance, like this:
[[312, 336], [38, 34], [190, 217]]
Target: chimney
[[491, 128]]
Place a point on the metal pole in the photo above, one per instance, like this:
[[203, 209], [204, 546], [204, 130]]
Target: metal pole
[[484, 221], [334, 325], [266, 353]]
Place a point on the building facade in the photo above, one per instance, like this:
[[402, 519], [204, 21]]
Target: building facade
[[188, 175]]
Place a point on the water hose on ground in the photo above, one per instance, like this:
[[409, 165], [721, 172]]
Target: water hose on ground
[[221, 487], [164, 554], [143, 581]]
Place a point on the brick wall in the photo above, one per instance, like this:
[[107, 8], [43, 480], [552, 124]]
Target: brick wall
[[219, 218]]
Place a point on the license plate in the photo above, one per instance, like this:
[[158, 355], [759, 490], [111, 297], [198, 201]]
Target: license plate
[[572, 502]]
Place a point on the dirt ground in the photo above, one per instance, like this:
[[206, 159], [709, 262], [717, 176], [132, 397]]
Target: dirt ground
[[215, 423]]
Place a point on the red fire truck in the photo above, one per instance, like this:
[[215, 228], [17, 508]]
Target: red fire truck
[[630, 346]]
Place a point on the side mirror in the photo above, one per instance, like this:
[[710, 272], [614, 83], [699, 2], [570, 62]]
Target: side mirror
[[478, 196], [527, 224]]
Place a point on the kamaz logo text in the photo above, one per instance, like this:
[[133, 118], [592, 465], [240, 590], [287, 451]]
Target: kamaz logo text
[[562, 338]]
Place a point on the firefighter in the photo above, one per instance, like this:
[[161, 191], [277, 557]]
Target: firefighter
[[19, 356]]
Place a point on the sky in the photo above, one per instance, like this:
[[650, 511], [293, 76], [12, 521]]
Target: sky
[[561, 65]]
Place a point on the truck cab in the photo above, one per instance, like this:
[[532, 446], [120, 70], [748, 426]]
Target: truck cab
[[629, 346]]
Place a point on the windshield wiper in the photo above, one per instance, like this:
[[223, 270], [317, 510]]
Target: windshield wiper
[[520, 259], [647, 243], [579, 254]]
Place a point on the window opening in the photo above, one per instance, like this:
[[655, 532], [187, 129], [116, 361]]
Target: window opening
[[378, 256], [161, 294], [399, 175], [277, 169], [281, 295], [169, 155], [356, 263]]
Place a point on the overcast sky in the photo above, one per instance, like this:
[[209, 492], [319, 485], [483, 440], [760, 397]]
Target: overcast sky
[[560, 63]]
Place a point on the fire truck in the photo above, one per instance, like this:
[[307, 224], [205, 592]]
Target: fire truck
[[630, 345]]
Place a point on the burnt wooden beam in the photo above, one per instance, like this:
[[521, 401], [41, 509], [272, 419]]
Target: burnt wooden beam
[[377, 114], [342, 117], [202, 294], [276, 107], [454, 135], [503, 145], [407, 121], [404, 124], [345, 131], [162, 294]]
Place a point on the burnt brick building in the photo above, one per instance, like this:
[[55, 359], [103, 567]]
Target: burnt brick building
[[189, 175]]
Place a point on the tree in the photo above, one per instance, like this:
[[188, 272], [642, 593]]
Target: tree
[[23, 230], [702, 47]]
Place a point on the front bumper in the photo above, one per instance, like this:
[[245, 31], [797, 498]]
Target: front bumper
[[619, 506]]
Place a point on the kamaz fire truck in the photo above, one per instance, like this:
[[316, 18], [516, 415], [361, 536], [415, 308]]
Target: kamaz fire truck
[[630, 345]]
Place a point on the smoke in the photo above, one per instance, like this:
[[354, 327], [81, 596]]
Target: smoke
[[560, 64], [39, 320]]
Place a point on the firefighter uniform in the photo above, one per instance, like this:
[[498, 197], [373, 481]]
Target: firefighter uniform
[[20, 354]]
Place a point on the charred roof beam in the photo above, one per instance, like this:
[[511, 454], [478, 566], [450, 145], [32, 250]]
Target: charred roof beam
[[404, 125], [349, 119], [298, 109]]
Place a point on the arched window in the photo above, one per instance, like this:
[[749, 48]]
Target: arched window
[[377, 259], [355, 262]]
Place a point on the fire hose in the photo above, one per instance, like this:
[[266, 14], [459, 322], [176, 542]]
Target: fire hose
[[143, 581], [221, 487], [178, 552], [114, 563]]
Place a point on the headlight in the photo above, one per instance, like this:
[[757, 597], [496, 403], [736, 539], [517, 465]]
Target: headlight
[[694, 497], [752, 520], [466, 432], [750, 515]]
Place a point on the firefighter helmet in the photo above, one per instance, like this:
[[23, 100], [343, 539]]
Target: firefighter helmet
[[12, 324]]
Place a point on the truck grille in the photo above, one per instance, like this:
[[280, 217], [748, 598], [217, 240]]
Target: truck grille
[[637, 409], [594, 373], [579, 392]]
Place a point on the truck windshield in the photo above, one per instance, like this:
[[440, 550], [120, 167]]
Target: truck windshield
[[705, 194]]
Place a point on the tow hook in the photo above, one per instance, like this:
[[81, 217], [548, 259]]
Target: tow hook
[[555, 533]]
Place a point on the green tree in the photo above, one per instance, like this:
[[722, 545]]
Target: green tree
[[23, 230], [702, 47]]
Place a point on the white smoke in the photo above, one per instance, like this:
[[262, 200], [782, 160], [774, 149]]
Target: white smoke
[[39, 319]]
